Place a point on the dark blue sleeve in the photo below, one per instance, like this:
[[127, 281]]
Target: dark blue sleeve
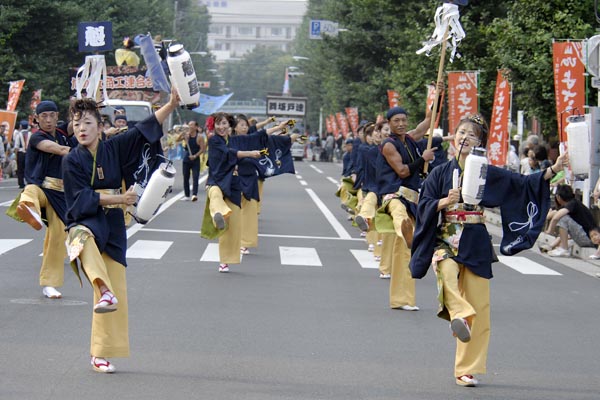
[[82, 201], [139, 151], [524, 201]]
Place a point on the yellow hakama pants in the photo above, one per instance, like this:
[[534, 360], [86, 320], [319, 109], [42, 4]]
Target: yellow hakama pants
[[52, 272], [231, 241], [378, 248], [249, 223], [110, 331], [467, 295], [387, 253], [372, 238], [402, 284], [261, 184]]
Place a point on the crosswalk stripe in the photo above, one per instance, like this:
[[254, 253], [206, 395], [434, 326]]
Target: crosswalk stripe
[[365, 259], [7, 245], [526, 266], [299, 256], [211, 253], [148, 249]]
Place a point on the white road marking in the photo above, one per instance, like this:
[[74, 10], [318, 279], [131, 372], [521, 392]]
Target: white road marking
[[7, 245], [316, 169], [336, 183], [299, 256], [329, 215], [260, 234], [148, 249], [299, 176], [6, 203], [365, 259], [211, 253], [303, 183], [526, 266]]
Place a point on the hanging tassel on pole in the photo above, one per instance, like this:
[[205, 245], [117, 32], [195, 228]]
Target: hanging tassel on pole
[[447, 25], [89, 76]]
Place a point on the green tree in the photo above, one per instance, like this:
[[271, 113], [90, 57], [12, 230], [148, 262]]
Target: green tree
[[377, 52], [260, 72], [38, 38], [522, 42]]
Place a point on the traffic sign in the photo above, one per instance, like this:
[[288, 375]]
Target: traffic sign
[[320, 27]]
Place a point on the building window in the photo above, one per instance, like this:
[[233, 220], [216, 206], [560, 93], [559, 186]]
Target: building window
[[215, 30], [218, 46], [276, 32], [215, 3], [223, 4], [245, 30]]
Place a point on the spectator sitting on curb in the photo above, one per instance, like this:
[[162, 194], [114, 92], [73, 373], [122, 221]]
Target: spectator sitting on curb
[[595, 237], [573, 219]]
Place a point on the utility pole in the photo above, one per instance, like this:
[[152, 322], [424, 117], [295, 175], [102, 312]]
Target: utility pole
[[174, 18]]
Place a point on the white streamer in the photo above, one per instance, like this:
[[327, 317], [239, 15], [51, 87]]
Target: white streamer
[[89, 76], [446, 17]]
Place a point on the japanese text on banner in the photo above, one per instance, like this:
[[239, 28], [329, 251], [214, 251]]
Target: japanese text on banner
[[569, 82], [463, 96], [499, 136]]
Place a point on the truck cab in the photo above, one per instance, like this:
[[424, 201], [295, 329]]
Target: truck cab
[[134, 110]]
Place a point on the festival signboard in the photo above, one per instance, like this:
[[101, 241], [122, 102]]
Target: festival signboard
[[125, 83]]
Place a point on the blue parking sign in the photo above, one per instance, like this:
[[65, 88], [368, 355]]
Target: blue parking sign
[[315, 29]]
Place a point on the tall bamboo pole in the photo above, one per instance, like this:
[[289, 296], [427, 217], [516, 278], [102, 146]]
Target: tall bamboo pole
[[437, 93]]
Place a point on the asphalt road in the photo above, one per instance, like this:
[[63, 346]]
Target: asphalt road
[[300, 318]]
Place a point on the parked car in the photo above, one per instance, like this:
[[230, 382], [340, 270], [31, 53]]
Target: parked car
[[297, 151]]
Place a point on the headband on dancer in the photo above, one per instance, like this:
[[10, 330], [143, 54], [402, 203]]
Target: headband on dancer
[[45, 106]]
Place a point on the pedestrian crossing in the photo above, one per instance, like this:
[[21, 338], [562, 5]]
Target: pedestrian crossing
[[7, 245], [288, 256]]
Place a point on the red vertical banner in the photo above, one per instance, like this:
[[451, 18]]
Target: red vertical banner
[[328, 127], [463, 96], [36, 97], [352, 114], [393, 98], [498, 139], [569, 82], [342, 123], [429, 105], [334, 126], [14, 92], [8, 118]]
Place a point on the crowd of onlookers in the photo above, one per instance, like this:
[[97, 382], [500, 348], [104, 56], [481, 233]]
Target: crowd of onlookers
[[569, 220], [8, 150]]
